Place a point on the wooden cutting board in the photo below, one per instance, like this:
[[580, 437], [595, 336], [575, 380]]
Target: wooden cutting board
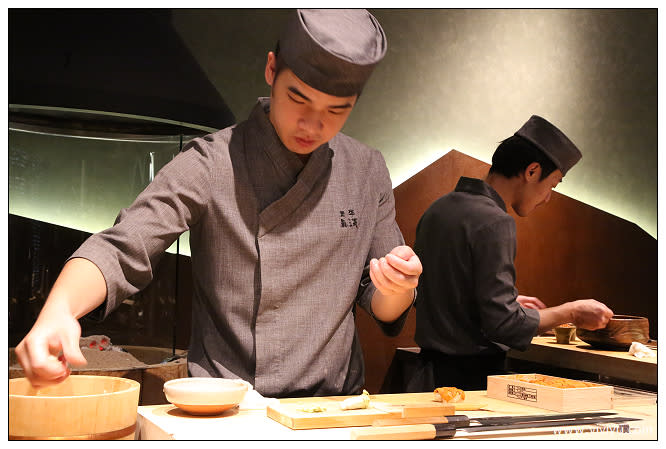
[[290, 412]]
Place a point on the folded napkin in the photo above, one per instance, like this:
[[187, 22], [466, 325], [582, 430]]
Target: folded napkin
[[640, 350]]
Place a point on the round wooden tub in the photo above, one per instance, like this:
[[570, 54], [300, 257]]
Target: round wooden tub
[[79, 408], [157, 368]]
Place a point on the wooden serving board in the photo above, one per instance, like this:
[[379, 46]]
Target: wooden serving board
[[289, 412]]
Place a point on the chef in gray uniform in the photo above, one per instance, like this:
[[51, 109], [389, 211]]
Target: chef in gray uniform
[[468, 310], [292, 224]]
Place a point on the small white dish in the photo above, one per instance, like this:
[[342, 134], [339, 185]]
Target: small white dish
[[205, 395]]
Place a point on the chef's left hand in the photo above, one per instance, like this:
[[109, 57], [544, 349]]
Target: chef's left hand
[[530, 302], [396, 273]]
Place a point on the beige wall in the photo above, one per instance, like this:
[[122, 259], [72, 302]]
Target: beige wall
[[465, 79]]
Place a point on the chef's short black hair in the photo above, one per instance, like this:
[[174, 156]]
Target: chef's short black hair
[[279, 61], [514, 154]]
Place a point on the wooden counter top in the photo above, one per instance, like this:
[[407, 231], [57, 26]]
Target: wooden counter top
[[166, 422], [580, 356]]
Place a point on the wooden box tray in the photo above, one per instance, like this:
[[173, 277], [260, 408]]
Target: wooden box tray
[[551, 393]]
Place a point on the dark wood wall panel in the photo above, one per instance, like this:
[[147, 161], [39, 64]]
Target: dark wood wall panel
[[566, 250]]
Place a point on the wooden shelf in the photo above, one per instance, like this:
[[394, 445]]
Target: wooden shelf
[[582, 357]]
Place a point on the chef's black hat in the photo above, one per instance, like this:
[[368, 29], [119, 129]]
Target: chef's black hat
[[333, 50], [551, 141]]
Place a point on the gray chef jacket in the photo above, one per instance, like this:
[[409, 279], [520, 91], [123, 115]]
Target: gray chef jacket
[[279, 249], [466, 301]]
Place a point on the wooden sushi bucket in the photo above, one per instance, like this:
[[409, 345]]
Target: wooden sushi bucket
[[151, 377], [80, 408]]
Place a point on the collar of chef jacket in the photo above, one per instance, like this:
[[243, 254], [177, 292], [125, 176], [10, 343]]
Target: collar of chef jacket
[[275, 169], [480, 187]]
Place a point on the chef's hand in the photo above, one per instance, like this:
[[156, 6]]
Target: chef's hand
[[397, 272], [53, 342], [51, 345], [395, 276], [530, 302], [590, 314]]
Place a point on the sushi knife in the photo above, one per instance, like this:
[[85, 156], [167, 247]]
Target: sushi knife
[[461, 421], [448, 430]]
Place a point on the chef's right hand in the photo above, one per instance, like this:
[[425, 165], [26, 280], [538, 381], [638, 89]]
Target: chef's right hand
[[590, 314], [52, 344]]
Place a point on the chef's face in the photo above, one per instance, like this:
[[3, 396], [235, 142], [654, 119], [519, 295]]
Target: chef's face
[[536, 191], [303, 117]]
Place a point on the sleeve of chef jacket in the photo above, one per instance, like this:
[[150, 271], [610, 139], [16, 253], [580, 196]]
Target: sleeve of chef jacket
[[386, 236], [503, 319], [128, 252]]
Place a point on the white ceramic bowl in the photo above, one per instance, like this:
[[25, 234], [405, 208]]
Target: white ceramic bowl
[[205, 395]]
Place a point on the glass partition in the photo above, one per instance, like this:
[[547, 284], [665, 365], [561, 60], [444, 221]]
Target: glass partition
[[70, 173], [80, 171]]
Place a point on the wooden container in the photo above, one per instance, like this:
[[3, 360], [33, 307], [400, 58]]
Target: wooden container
[[520, 388], [152, 376], [79, 408], [619, 333]]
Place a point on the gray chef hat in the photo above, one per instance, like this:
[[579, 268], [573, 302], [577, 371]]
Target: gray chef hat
[[333, 50], [551, 141]]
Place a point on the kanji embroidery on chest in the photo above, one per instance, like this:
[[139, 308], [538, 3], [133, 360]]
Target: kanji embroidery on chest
[[348, 219]]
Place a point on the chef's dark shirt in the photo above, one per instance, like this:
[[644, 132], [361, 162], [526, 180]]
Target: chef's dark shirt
[[466, 302]]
